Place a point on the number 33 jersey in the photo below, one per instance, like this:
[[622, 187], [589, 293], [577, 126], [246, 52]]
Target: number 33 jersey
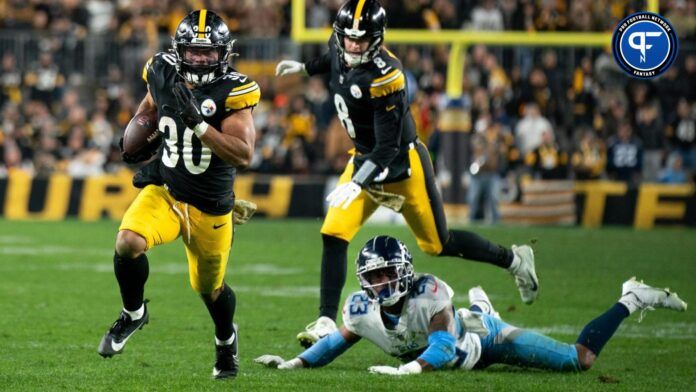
[[189, 169], [408, 337]]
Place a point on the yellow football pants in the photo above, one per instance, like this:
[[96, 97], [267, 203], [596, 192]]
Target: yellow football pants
[[422, 209], [159, 218]]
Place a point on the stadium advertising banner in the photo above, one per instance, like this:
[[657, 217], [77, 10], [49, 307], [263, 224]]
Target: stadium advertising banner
[[597, 203]]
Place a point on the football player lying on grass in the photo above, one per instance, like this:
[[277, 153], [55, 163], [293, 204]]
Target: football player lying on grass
[[410, 316]]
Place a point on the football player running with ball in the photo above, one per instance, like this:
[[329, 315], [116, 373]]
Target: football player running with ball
[[389, 167], [410, 316], [204, 111]]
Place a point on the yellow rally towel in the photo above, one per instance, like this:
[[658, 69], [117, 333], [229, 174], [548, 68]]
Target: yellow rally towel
[[390, 200], [242, 211]]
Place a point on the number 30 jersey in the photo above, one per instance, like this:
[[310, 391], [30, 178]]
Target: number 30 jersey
[[189, 169], [408, 338], [371, 104]]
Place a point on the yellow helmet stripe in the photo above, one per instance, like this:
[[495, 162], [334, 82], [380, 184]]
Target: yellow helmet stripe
[[201, 23], [358, 11]]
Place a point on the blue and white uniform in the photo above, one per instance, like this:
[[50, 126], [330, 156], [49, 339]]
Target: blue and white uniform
[[481, 339], [408, 337]]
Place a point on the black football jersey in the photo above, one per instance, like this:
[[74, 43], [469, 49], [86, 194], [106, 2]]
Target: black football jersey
[[189, 169], [372, 104]]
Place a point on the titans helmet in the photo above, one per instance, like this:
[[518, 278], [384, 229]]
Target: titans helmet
[[360, 19], [203, 47], [384, 255]]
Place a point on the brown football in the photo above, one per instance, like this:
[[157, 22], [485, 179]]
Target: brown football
[[141, 133]]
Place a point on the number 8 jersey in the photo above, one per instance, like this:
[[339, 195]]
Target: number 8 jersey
[[372, 105], [189, 169]]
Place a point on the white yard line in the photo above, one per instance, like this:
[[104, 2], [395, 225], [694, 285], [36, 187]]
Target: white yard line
[[15, 239]]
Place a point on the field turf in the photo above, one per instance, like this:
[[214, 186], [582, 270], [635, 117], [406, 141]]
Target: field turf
[[58, 295]]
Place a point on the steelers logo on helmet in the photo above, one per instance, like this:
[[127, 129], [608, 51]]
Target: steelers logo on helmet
[[363, 20], [644, 45], [208, 107], [203, 47]]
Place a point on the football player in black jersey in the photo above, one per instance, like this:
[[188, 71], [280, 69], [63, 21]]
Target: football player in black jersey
[[204, 110], [389, 166]]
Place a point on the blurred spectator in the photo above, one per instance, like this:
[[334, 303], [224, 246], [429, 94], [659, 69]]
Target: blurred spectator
[[625, 156], [44, 80], [487, 16], [650, 130], [681, 132], [530, 129], [489, 152], [10, 80], [548, 161], [590, 158], [674, 172]]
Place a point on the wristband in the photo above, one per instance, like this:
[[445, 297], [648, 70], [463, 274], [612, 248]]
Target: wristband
[[200, 129]]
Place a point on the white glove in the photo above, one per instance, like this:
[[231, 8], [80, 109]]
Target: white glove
[[289, 67], [344, 194], [412, 367], [276, 362]]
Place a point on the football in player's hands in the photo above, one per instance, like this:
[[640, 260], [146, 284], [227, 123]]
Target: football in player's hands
[[141, 137]]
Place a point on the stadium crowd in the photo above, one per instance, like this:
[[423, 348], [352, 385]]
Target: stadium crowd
[[555, 113]]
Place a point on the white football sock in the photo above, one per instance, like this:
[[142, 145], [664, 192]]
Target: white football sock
[[515, 263], [136, 314], [630, 302]]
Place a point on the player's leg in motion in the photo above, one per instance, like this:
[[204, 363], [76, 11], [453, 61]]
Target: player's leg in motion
[[515, 346], [425, 215], [208, 251], [635, 295], [339, 228], [148, 222]]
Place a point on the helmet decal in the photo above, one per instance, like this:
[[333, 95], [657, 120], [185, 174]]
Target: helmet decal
[[202, 31], [360, 19]]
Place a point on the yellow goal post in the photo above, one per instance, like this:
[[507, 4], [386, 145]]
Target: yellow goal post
[[460, 40]]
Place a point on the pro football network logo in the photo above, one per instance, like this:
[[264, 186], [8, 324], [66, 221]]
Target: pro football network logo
[[644, 45]]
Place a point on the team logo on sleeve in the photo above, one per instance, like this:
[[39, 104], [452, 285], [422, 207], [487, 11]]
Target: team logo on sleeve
[[355, 91], [644, 45], [208, 107]]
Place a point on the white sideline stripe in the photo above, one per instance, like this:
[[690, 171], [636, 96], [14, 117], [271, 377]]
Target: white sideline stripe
[[630, 329], [161, 268], [52, 249], [15, 239], [280, 291]]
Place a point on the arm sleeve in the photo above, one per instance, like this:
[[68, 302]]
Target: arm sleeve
[[325, 350], [319, 65], [441, 349]]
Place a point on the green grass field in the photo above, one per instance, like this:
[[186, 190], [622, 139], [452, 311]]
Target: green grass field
[[58, 295]]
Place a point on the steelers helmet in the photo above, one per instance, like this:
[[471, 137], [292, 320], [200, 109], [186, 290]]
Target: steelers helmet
[[360, 19], [204, 33], [389, 256]]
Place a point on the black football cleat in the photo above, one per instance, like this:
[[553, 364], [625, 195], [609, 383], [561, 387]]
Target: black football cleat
[[116, 337], [226, 359]]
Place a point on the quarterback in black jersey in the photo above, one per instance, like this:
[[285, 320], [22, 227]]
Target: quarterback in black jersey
[[204, 110], [389, 166]]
